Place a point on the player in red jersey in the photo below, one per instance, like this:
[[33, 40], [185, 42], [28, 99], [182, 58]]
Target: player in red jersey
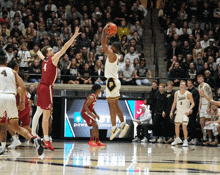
[[45, 88], [89, 115]]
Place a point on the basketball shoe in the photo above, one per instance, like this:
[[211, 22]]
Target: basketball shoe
[[48, 145], [176, 141], [115, 130], [39, 146], [14, 144], [99, 143], [92, 143], [124, 129]]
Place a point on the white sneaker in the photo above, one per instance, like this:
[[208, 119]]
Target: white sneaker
[[185, 143], [193, 142], [176, 141], [2, 150], [136, 139], [114, 133], [144, 139], [14, 144], [124, 130]]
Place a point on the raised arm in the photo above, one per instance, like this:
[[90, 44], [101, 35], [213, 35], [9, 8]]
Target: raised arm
[[56, 57], [209, 98], [104, 42]]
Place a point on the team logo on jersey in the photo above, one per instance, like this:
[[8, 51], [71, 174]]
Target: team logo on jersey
[[111, 84]]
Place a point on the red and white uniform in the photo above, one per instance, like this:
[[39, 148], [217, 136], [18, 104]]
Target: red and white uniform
[[45, 88], [89, 119], [24, 115]]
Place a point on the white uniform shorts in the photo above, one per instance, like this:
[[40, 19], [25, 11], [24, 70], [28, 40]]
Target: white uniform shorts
[[203, 113], [8, 104], [113, 87], [181, 118], [213, 128]]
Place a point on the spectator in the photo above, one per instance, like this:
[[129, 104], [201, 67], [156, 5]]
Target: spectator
[[141, 73], [5, 16], [7, 3], [151, 96], [205, 15], [127, 74], [9, 52], [53, 31], [208, 79], [122, 14], [136, 15], [173, 51], [121, 64], [176, 74], [212, 63], [91, 61], [197, 30], [83, 41], [184, 36], [131, 55], [141, 8], [136, 63], [74, 72], [21, 26], [192, 71], [24, 57], [123, 29], [197, 50], [53, 6], [216, 14], [138, 28], [33, 52], [63, 65], [86, 75], [217, 80], [173, 28], [192, 23], [144, 124], [205, 42], [16, 30], [99, 73], [213, 48], [138, 48], [186, 49], [206, 67], [35, 69], [58, 47], [84, 54]]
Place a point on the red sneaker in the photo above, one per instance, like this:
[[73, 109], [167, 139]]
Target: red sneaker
[[99, 143], [92, 143], [48, 145]]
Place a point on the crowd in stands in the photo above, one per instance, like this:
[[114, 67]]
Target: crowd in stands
[[192, 40], [28, 25]]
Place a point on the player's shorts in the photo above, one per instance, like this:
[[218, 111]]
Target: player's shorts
[[24, 116], [113, 87], [45, 96], [181, 118], [213, 127], [203, 113], [8, 105], [89, 119]]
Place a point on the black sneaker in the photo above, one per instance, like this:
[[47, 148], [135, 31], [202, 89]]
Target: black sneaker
[[38, 143]]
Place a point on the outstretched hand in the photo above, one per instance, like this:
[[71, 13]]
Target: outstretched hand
[[106, 26], [77, 33]]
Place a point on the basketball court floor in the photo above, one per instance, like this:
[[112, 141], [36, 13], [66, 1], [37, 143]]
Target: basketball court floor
[[121, 158]]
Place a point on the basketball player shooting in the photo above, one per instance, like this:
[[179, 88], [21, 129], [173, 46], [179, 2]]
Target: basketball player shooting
[[45, 88], [113, 84]]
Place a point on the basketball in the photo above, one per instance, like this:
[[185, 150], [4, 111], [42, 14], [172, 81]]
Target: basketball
[[112, 29]]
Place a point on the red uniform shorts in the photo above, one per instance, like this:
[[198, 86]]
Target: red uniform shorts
[[24, 116], [44, 96], [89, 119]]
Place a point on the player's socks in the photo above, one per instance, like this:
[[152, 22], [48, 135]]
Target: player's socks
[[14, 137], [35, 120], [204, 138], [46, 138], [210, 140], [91, 138], [3, 144]]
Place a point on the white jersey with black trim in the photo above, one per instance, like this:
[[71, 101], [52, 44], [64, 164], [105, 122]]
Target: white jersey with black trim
[[7, 81], [183, 103], [207, 90], [111, 69]]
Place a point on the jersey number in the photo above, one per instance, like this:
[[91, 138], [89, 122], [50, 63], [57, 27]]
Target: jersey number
[[45, 67], [4, 73]]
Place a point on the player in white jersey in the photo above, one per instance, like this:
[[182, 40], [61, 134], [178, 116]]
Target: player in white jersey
[[204, 105], [113, 85], [8, 90], [182, 100], [211, 127]]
